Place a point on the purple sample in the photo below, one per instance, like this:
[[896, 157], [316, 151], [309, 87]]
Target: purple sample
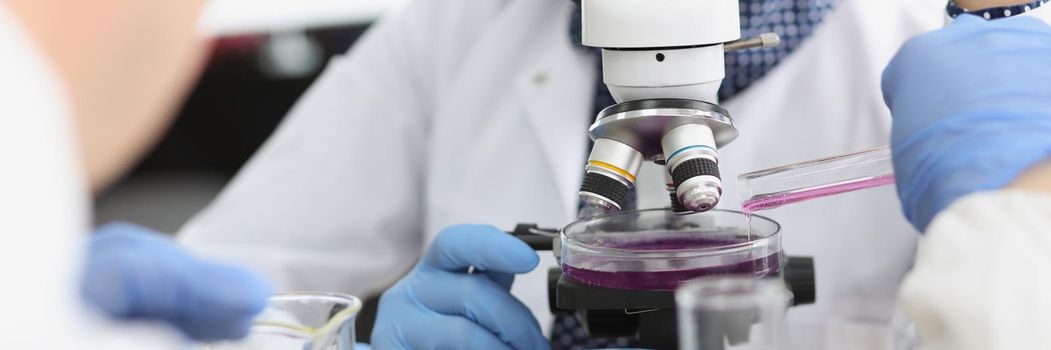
[[671, 279], [773, 201]]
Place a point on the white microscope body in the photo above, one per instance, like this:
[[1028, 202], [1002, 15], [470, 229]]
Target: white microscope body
[[663, 62]]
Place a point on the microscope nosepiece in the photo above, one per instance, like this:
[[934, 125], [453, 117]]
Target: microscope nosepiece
[[611, 171]]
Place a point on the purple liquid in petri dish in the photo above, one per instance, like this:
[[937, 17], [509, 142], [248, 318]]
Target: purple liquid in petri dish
[[670, 279]]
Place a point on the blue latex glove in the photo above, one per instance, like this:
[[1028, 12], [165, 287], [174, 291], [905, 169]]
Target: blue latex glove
[[134, 273], [972, 110], [440, 306]]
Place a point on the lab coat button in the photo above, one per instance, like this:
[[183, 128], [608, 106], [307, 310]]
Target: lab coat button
[[540, 78]]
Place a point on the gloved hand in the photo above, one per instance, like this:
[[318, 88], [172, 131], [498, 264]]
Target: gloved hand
[[439, 305], [972, 110], [134, 273]]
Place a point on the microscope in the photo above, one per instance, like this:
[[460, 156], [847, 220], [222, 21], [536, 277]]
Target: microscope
[[663, 62]]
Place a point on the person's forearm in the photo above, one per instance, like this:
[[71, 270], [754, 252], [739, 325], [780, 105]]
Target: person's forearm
[[1037, 179], [973, 286], [984, 4]]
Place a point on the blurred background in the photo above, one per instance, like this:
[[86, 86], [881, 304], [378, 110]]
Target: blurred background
[[265, 54]]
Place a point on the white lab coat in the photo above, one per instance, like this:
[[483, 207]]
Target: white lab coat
[[43, 215], [983, 273], [470, 111]]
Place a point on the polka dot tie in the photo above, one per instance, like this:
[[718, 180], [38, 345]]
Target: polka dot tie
[[793, 20]]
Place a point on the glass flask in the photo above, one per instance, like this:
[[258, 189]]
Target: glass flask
[[659, 250], [300, 321], [774, 187], [732, 312]]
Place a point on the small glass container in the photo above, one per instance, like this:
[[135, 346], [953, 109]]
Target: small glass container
[[659, 250], [774, 187], [301, 321], [717, 313]]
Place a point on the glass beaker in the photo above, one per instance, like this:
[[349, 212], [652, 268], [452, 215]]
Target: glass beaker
[[301, 321], [732, 312], [658, 249]]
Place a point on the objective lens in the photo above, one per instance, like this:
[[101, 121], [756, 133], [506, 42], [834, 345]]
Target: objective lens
[[611, 171], [693, 162], [698, 184]]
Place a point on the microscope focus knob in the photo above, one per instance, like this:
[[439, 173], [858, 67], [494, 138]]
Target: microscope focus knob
[[799, 276]]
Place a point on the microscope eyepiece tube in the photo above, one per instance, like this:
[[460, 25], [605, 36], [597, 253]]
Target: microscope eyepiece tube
[[693, 161], [611, 171]]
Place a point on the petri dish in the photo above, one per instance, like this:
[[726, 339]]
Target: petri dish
[[658, 249]]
